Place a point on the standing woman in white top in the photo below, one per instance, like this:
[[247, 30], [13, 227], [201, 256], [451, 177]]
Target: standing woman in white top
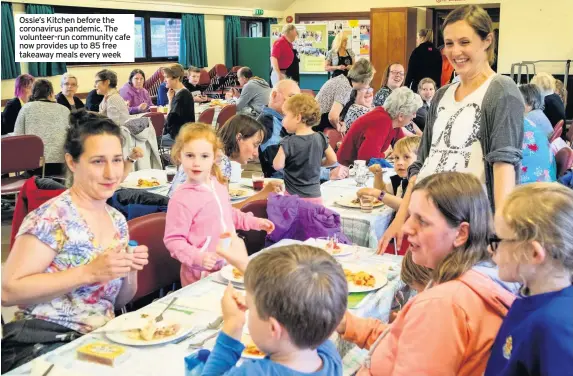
[[473, 126]]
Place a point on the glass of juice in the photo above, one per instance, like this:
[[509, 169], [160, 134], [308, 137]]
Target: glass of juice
[[258, 181], [171, 171]]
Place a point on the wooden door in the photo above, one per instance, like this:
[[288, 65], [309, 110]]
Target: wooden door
[[392, 39]]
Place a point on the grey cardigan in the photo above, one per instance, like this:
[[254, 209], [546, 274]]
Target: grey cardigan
[[501, 129]]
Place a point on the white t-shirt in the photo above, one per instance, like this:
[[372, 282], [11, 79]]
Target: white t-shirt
[[455, 136]]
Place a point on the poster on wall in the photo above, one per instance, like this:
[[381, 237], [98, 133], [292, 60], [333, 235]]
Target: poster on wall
[[311, 44], [357, 31]]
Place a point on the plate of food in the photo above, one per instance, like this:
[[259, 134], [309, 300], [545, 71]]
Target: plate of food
[[364, 278], [144, 183], [247, 182], [238, 193], [230, 273], [354, 202], [140, 328], [332, 246], [251, 350]]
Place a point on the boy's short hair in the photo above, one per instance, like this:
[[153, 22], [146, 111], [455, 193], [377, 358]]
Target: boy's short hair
[[424, 81], [303, 288], [193, 69], [408, 144], [413, 273], [305, 106]]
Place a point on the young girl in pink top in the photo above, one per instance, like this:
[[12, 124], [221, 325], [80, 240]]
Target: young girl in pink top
[[200, 214]]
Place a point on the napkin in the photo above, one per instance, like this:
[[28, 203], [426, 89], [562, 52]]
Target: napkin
[[381, 161], [40, 365]]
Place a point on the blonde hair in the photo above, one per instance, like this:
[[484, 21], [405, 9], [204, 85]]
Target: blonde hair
[[413, 273], [305, 106], [427, 35], [407, 145], [545, 82], [424, 81], [460, 198], [303, 288], [198, 131], [543, 212], [479, 20], [288, 28], [560, 90], [337, 42]]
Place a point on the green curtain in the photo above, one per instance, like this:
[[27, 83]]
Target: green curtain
[[44, 69], [267, 26], [232, 32], [192, 42], [10, 68]]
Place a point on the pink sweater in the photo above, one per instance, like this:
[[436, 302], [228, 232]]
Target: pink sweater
[[196, 217]]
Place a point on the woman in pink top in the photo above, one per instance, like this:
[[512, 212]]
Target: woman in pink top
[[200, 216], [449, 328]]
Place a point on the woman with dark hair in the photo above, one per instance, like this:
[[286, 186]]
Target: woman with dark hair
[[67, 269], [425, 60], [67, 97], [461, 309], [22, 92], [474, 125], [534, 108], [134, 93], [45, 118], [241, 136], [393, 79]]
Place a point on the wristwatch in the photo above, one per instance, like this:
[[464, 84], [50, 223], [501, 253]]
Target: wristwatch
[[129, 159], [381, 197]]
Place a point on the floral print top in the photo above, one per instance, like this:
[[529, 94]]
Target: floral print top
[[538, 164], [59, 225]]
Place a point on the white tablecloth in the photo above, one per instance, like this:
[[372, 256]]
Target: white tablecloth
[[363, 229], [169, 359]]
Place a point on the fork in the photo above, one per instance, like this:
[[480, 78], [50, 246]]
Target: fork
[[198, 345], [160, 317], [211, 326]]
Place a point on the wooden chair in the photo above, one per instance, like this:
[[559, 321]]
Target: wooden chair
[[564, 160], [19, 154], [226, 113], [207, 116], [254, 240], [162, 270]]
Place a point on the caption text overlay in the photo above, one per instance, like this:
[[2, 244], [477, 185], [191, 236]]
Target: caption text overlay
[[74, 38]]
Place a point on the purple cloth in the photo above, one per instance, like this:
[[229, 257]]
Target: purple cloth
[[300, 220], [135, 98]]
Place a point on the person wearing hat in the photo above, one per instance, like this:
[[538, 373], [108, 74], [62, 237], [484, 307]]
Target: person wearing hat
[[181, 105]]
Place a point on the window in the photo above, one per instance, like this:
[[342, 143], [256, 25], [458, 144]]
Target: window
[[165, 33], [156, 34], [251, 28], [139, 37]]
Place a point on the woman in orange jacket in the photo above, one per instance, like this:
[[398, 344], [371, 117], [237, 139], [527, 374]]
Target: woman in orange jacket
[[449, 328]]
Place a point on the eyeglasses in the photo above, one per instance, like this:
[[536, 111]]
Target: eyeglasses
[[366, 90], [72, 85], [96, 81], [397, 73], [494, 242]]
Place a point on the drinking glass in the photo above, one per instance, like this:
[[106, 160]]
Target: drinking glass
[[170, 171], [258, 181], [366, 204]]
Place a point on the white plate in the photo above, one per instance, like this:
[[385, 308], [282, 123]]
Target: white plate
[[246, 339], [133, 185], [128, 319], [245, 193], [247, 182], [148, 174], [345, 249], [227, 273], [378, 273], [347, 202]]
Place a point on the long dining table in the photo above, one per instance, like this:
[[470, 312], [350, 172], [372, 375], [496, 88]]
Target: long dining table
[[198, 305]]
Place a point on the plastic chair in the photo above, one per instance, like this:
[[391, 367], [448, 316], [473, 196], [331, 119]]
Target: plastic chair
[[20, 153], [207, 116], [308, 92], [235, 69], [152, 83], [557, 131], [254, 240], [334, 137], [162, 270], [569, 135], [564, 161], [226, 113], [158, 121], [217, 76], [204, 80]]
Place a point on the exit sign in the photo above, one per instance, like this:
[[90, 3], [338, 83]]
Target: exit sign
[[258, 12]]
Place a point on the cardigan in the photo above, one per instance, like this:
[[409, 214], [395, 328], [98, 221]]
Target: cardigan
[[10, 114], [61, 99]]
